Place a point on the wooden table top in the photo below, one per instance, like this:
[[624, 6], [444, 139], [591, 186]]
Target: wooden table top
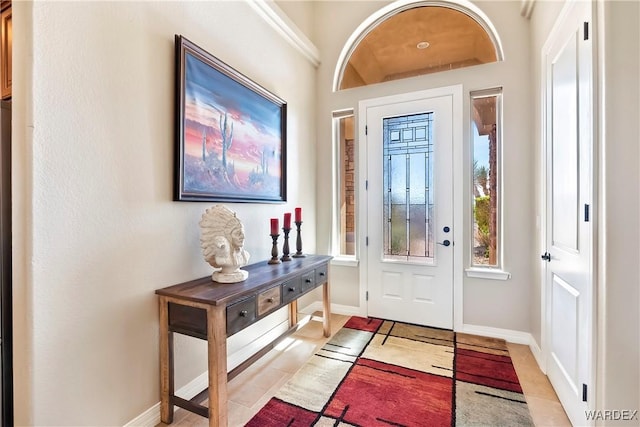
[[261, 276]]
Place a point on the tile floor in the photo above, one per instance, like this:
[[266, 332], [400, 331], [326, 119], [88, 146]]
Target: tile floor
[[253, 388]]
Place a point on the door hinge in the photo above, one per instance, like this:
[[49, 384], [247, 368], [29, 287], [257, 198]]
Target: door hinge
[[366, 184], [367, 296], [586, 31], [366, 130], [366, 241], [584, 392], [586, 213]]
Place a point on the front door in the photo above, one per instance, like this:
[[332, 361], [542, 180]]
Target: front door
[[410, 208], [568, 280]]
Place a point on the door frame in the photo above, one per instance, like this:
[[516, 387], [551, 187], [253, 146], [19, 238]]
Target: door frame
[[545, 303], [458, 172], [6, 299]]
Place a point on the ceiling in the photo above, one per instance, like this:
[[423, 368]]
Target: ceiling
[[485, 114], [390, 52]]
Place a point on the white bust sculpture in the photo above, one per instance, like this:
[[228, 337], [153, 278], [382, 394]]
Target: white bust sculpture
[[222, 241]]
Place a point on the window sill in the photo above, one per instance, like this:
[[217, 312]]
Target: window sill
[[343, 261], [487, 273]]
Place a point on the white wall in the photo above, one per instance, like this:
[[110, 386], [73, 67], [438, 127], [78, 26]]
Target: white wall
[[619, 313], [301, 14], [96, 228], [499, 304]]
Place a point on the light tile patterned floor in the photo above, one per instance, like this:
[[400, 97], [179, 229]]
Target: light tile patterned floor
[[253, 388]]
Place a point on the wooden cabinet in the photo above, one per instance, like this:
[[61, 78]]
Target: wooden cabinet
[[6, 39], [214, 311], [291, 290], [240, 315], [268, 300]]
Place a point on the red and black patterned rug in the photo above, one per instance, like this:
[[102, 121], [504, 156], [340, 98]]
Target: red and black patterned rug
[[381, 373]]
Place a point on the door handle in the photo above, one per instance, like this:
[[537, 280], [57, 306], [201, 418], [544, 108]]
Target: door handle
[[445, 243], [546, 256]]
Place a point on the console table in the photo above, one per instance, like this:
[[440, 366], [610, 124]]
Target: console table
[[214, 311]]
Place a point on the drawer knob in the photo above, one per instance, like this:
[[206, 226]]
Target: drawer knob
[[308, 280], [292, 289], [269, 300], [321, 274], [244, 313]]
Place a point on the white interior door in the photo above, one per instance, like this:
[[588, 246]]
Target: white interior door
[[410, 209], [568, 289]]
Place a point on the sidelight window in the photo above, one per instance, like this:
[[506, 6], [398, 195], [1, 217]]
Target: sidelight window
[[345, 194], [486, 191]]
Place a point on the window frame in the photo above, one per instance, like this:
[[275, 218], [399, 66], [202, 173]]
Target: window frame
[[337, 158], [480, 270]]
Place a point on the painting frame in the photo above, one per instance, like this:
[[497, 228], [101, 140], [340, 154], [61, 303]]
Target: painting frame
[[209, 94]]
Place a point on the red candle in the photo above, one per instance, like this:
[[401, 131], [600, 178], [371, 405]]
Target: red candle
[[274, 226], [287, 220], [298, 214]]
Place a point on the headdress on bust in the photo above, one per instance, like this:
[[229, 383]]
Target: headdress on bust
[[218, 221], [219, 247]]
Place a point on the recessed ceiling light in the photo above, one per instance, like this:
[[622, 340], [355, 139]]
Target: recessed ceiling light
[[422, 45]]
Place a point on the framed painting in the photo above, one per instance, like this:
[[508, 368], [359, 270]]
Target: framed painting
[[230, 133]]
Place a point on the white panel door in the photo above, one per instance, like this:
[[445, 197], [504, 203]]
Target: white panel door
[[410, 211], [569, 230]]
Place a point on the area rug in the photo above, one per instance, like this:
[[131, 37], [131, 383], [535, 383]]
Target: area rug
[[375, 372]]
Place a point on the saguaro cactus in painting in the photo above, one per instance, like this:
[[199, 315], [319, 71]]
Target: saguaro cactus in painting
[[227, 138]]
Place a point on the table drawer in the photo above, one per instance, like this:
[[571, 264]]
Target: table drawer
[[321, 274], [291, 290], [268, 300], [188, 320], [308, 280], [240, 315]]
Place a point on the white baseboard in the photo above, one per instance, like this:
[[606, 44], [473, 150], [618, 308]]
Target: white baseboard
[[537, 354], [252, 347], [347, 310], [151, 417], [517, 337]]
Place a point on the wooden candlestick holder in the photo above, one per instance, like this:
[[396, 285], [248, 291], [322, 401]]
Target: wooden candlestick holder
[[299, 253], [285, 247], [274, 250]]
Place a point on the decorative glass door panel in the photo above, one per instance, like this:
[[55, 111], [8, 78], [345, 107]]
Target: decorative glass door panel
[[408, 188]]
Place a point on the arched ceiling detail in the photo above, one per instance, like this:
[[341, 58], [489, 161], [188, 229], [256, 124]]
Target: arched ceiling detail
[[385, 46]]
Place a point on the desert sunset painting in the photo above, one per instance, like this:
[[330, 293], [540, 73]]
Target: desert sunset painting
[[232, 136]]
